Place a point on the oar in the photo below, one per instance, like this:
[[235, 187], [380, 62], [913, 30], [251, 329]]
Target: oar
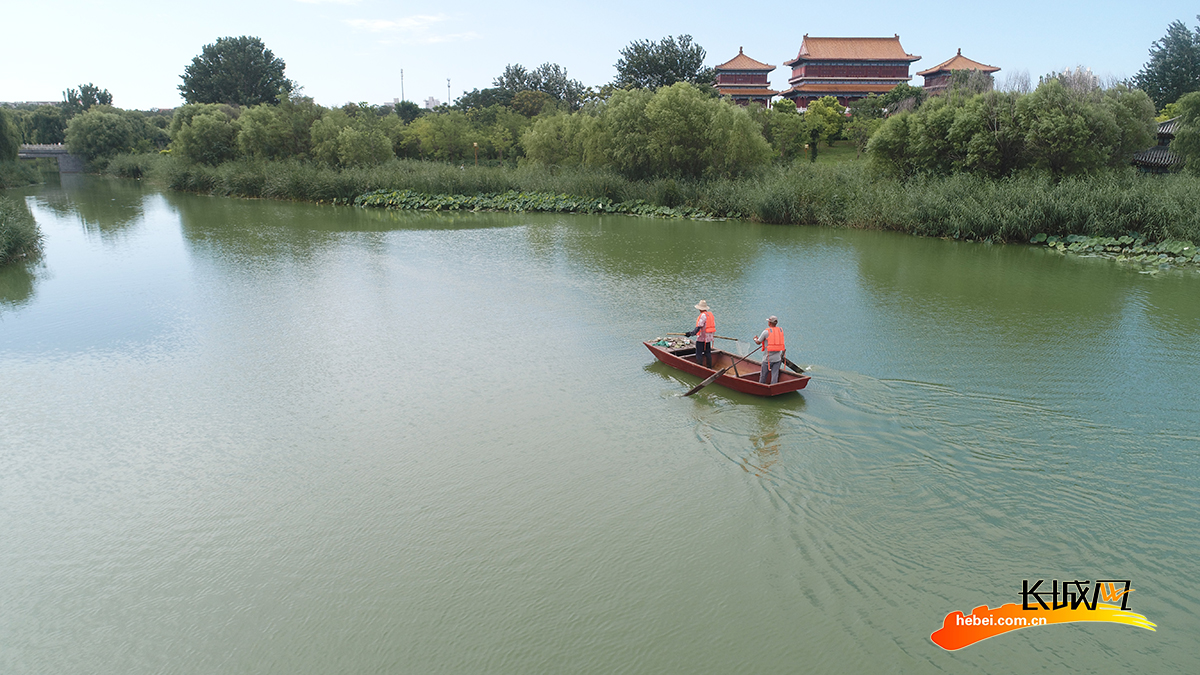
[[793, 366], [719, 373]]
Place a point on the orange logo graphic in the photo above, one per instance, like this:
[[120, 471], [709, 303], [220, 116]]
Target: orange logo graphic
[[1067, 605]]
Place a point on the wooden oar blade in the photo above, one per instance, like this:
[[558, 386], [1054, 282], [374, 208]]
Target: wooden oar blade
[[793, 366], [711, 378]]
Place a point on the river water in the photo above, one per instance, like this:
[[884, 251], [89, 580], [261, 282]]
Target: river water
[[263, 437]]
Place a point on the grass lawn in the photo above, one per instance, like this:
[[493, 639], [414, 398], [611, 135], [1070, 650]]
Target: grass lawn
[[842, 151]]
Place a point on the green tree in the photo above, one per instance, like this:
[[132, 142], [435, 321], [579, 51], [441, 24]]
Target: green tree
[[477, 99], [10, 137], [47, 124], [1063, 134], [408, 111], [1187, 138], [735, 141], [679, 121], [890, 148], [860, 129], [823, 120], [677, 131], [1169, 111], [99, 133], [903, 97], [1133, 112], [626, 131], [988, 135], [548, 78], [784, 129], [279, 131], [76, 101], [562, 140], [931, 145], [532, 103], [205, 133], [1174, 66], [646, 64], [236, 71]]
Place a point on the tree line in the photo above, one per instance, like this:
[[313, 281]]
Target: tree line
[[661, 116]]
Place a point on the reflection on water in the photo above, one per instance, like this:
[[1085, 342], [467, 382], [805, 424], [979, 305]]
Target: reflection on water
[[252, 436], [16, 285], [106, 208]]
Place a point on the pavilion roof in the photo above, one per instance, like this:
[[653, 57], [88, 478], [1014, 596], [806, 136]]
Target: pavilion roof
[[851, 49], [959, 62], [1160, 156], [743, 62]]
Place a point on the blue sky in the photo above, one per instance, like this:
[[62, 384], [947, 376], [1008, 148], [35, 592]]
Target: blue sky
[[353, 50]]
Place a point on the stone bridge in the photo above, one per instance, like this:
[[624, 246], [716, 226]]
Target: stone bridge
[[67, 163]]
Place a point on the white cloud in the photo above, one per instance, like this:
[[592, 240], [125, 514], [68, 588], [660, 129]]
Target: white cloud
[[416, 28]]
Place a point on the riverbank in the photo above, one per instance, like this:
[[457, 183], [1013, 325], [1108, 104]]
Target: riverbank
[[19, 233], [1110, 204]]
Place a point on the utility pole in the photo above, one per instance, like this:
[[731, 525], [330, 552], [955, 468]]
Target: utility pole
[[402, 85], [447, 92]]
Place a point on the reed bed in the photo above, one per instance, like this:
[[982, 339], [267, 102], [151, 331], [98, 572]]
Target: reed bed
[[19, 233], [1109, 204]]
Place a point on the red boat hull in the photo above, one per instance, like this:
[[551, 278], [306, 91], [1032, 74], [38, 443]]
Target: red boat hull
[[745, 379]]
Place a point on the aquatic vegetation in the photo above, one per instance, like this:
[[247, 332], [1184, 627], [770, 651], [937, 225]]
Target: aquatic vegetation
[[1130, 248], [520, 201]]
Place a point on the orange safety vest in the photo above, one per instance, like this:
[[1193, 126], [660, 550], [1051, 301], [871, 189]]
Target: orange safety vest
[[710, 323], [774, 339]]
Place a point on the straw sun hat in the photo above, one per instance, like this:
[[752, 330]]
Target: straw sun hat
[[702, 306]]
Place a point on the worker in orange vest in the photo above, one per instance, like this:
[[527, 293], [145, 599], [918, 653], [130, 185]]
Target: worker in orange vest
[[706, 327], [772, 341]]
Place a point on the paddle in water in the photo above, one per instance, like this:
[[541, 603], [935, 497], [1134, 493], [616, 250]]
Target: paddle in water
[[712, 378]]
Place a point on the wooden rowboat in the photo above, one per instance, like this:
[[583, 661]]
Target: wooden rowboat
[[743, 377]]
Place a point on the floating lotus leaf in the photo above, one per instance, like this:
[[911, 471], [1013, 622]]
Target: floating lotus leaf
[[1053, 239], [1125, 240], [1038, 238]]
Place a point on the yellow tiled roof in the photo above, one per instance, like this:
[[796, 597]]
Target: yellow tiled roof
[[852, 49]]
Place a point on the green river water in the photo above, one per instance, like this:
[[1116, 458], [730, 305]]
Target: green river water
[[262, 437]]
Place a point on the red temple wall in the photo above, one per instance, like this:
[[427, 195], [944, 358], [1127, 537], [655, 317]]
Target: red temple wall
[[742, 78], [861, 71]]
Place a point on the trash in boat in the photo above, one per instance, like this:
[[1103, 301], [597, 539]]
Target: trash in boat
[[672, 342]]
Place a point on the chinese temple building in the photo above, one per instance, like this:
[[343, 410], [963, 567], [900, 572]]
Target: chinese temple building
[[745, 80], [937, 78], [1160, 159], [846, 68]]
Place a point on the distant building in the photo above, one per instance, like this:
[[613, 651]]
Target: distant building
[[431, 103], [745, 80], [1160, 159], [846, 68], [938, 78]]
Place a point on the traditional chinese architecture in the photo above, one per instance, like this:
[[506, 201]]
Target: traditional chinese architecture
[[1160, 159], [938, 78], [847, 68], [745, 80]]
